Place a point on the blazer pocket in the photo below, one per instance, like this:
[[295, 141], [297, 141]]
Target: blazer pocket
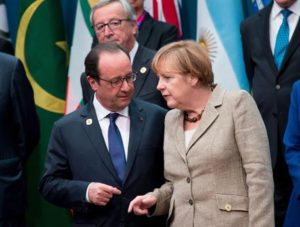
[[232, 202]]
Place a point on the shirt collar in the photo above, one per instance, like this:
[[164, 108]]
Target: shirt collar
[[102, 112], [133, 51], [276, 9]]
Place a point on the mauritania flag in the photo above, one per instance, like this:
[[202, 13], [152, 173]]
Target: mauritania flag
[[42, 48], [218, 23], [165, 10], [81, 45]]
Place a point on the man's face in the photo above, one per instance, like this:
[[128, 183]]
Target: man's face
[[113, 66], [122, 33], [285, 3]]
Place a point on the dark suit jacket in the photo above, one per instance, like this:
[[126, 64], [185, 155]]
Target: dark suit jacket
[[271, 87], [77, 156], [292, 155], [19, 133], [6, 46], [155, 34], [145, 84]]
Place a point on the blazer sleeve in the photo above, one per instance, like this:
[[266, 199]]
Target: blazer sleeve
[[252, 142], [56, 184], [25, 115], [292, 138]]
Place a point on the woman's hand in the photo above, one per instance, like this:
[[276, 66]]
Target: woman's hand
[[141, 204]]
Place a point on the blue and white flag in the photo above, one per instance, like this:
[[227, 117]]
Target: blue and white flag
[[259, 4], [218, 29]]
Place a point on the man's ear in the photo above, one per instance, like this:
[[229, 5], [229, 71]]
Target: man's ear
[[93, 82]]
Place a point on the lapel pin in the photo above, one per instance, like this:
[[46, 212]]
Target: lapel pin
[[143, 70], [89, 121], [141, 119]]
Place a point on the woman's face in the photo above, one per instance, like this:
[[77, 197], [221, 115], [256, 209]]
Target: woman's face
[[173, 86]]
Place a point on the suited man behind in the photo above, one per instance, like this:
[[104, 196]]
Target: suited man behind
[[80, 169], [272, 69], [115, 21], [19, 134], [152, 34]]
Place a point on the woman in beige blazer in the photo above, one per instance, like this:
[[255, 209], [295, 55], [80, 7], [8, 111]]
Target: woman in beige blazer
[[217, 160]]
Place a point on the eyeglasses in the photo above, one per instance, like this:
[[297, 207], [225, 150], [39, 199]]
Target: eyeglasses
[[117, 82], [113, 25]]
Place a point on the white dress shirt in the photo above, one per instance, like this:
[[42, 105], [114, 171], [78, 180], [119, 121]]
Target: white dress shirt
[[276, 21], [123, 123]]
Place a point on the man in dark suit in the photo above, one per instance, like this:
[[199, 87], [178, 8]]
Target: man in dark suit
[[271, 82], [115, 21], [81, 172], [152, 34], [19, 134]]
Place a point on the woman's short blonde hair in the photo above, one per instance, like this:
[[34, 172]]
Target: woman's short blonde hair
[[187, 57]]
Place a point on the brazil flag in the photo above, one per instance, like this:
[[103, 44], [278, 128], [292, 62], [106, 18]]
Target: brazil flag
[[42, 47]]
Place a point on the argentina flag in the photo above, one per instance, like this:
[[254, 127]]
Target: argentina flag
[[218, 25]]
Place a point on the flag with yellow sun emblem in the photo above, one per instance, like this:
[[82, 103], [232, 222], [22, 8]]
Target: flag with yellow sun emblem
[[42, 47]]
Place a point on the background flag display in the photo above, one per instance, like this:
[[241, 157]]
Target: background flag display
[[41, 46], [218, 30], [165, 10], [81, 45]]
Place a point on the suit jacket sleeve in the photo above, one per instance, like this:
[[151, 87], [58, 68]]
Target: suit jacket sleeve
[[252, 141], [246, 52], [57, 185], [25, 116], [292, 139]]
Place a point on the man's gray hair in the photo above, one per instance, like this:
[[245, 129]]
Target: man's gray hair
[[128, 10]]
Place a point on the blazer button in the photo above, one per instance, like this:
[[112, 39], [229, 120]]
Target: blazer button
[[188, 180], [228, 207], [191, 202], [277, 87]]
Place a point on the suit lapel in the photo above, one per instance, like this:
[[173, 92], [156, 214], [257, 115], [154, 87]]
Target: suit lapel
[[137, 123], [141, 66], [264, 33], [294, 43], [209, 116], [93, 130]]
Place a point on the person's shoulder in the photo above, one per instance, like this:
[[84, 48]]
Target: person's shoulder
[[296, 85], [6, 58], [148, 107], [256, 19], [71, 118], [146, 51]]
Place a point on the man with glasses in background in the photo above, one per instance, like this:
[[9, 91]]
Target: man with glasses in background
[[109, 151], [115, 21]]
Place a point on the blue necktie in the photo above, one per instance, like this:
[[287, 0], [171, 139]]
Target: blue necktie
[[115, 145], [282, 39]]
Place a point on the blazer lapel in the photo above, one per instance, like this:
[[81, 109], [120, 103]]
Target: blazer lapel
[[93, 130], [137, 123], [141, 66], [209, 116], [178, 130]]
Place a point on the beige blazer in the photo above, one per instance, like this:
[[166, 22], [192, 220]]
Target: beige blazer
[[224, 177]]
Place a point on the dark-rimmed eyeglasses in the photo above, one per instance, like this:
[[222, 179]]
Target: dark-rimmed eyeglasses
[[112, 25], [118, 81]]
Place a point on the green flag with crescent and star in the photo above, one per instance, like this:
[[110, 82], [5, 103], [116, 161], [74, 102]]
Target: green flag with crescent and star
[[42, 47]]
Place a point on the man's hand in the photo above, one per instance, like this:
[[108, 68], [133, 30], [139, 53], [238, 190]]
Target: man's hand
[[100, 194], [141, 204]]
